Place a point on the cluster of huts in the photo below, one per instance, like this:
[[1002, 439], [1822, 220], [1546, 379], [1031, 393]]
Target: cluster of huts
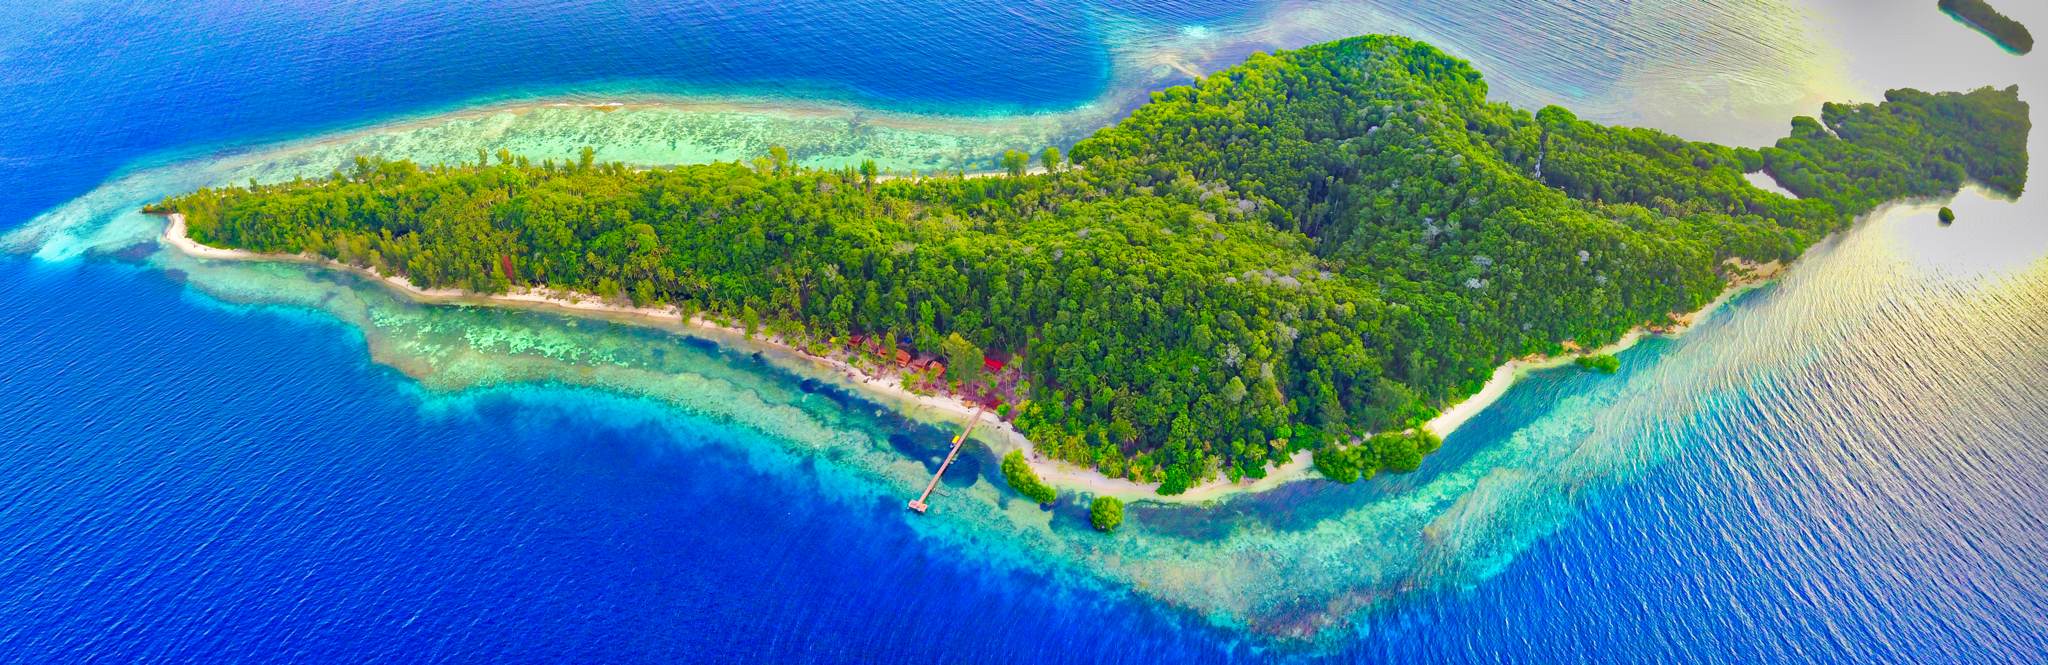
[[898, 352], [882, 348]]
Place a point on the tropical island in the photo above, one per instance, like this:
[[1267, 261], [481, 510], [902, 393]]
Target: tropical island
[[1316, 250], [2009, 34]]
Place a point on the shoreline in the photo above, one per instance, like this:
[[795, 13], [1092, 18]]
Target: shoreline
[[999, 435], [1749, 276]]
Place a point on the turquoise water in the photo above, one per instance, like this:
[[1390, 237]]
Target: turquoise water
[[225, 461]]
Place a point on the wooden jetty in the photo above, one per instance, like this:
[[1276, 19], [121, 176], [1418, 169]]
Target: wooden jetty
[[918, 504]]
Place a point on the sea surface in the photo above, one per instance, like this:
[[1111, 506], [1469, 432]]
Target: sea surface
[[225, 462]]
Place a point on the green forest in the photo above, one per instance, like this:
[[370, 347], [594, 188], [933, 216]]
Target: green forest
[[1291, 254], [2007, 33]]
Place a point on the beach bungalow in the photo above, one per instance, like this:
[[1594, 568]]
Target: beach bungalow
[[857, 342], [993, 365], [902, 358]]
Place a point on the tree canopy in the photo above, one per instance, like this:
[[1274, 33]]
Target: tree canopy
[[2007, 33], [1106, 513]]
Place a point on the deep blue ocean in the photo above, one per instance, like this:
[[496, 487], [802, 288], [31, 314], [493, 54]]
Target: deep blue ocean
[[184, 479]]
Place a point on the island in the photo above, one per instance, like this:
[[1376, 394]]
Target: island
[[1312, 252], [1980, 16]]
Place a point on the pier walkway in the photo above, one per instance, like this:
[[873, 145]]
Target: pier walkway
[[918, 504]]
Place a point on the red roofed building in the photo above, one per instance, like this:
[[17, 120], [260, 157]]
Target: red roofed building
[[992, 364]]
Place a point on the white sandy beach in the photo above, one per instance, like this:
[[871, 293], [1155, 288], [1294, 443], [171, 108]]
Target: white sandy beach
[[1000, 436], [1504, 377]]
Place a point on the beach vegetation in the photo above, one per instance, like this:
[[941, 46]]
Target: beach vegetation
[[1604, 363], [1342, 464], [1392, 452], [1017, 472], [1946, 215], [1016, 162]]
